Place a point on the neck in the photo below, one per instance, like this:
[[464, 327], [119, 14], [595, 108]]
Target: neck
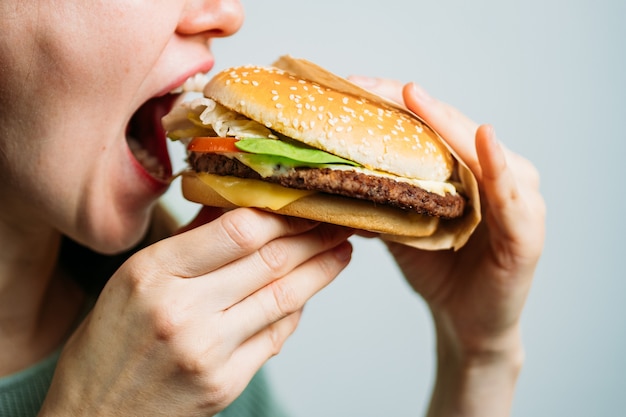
[[38, 304]]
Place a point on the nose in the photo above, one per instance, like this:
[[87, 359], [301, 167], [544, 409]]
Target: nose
[[213, 18]]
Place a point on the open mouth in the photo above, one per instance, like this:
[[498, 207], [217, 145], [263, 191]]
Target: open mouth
[[146, 137], [145, 134]]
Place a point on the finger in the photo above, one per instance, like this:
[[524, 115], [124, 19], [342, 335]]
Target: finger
[[247, 275], [205, 215], [286, 295], [231, 236], [390, 89], [457, 129], [499, 186], [527, 174], [250, 356]]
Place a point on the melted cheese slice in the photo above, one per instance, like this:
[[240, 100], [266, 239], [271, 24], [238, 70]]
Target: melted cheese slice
[[252, 193]]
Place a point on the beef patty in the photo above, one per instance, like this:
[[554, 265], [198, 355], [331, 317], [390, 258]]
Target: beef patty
[[347, 183]]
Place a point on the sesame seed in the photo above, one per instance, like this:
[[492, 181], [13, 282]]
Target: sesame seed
[[255, 83], [345, 100]]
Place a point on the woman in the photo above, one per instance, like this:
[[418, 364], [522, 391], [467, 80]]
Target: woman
[[184, 323]]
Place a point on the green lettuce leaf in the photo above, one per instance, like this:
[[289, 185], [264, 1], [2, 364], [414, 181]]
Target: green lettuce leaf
[[294, 151]]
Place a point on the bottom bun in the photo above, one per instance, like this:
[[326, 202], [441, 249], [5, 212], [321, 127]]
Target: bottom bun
[[357, 214]]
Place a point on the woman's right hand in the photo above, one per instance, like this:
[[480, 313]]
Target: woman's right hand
[[183, 325]]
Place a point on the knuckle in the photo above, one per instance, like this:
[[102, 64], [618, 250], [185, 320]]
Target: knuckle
[[274, 256], [239, 228], [284, 297], [167, 321], [275, 339], [220, 391], [137, 274], [194, 365]]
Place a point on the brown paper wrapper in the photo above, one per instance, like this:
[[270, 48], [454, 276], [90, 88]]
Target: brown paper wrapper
[[450, 234]]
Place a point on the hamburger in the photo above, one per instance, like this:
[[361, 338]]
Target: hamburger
[[297, 140]]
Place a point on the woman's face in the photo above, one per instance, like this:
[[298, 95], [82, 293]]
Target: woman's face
[[75, 77]]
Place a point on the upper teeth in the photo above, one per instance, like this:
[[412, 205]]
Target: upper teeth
[[194, 83]]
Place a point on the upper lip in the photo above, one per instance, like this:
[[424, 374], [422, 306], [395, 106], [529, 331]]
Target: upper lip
[[203, 67]]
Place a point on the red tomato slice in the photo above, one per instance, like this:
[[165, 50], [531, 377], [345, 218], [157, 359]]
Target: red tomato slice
[[213, 144]]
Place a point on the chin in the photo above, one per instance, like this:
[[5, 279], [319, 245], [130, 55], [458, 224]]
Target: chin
[[115, 233], [122, 221]]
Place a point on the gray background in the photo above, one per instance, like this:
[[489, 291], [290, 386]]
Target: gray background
[[551, 77]]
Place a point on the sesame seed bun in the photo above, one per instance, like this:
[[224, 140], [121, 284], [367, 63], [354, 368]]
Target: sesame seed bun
[[371, 133], [299, 100]]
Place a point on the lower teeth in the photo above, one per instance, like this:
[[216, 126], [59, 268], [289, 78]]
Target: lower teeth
[[149, 162]]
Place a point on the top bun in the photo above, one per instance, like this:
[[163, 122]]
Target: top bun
[[371, 133]]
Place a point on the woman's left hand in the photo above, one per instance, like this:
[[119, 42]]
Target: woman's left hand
[[477, 294]]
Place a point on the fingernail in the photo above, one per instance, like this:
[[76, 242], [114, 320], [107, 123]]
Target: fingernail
[[343, 251], [363, 81], [419, 92]]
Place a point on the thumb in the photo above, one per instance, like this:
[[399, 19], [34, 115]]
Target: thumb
[[205, 215]]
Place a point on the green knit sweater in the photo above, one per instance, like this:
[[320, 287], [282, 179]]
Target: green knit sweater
[[22, 394]]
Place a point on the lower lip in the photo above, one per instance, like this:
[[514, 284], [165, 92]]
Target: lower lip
[[150, 135], [157, 185]]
